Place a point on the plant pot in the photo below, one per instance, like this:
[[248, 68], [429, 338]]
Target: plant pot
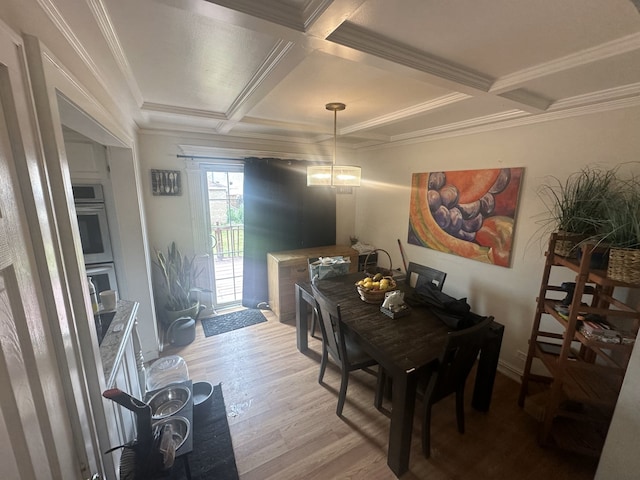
[[567, 244], [191, 312], [182, 331]]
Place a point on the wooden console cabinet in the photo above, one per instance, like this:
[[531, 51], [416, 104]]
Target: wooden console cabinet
[[284, 269]]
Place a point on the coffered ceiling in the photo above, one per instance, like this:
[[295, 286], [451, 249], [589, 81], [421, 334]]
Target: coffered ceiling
[[407, 69]]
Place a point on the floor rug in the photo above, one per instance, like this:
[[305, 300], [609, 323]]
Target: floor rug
[[212, 456], [231, 321]]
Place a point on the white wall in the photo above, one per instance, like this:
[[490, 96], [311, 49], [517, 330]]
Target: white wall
[[558, 148]]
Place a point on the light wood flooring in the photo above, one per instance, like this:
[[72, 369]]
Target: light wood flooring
[[283, 423]]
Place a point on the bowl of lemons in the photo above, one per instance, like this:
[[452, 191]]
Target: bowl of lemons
[[373, 288]]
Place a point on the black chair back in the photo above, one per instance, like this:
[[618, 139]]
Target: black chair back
[[425, 274], [457, 360], [329, 319], [450, 374]]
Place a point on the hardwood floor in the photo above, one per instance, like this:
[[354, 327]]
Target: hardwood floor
[[284, 426]]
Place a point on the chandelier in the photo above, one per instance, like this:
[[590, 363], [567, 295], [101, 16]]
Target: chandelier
[[333, 175]]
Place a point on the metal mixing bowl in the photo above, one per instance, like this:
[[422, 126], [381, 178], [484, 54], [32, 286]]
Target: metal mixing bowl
[[168, 401], [181, 429]]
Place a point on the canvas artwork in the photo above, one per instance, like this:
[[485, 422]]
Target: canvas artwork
[[470, 213]]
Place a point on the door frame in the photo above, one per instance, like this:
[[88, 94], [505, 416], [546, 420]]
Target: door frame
[[78, 355], [213, 166]]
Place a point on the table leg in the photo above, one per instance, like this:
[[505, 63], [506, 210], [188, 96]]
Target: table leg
[[403, 405], [487, 367], [302, 314]]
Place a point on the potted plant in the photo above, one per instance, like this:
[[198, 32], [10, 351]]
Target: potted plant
[[620, 231], [577, 206], [178, 275]]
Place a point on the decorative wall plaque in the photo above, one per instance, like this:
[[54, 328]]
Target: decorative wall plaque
[[166, 182]]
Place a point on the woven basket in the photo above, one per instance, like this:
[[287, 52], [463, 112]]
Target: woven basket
[[624, 265], [371, 271], [567, 244], [376, 296]]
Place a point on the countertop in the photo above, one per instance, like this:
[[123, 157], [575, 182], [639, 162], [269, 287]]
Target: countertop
[[113, 343]]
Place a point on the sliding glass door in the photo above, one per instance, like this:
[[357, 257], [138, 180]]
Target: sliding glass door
[[225, 216]]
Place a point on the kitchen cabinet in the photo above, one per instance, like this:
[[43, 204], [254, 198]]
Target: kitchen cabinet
[[286, 268], [583, 371], [87, 159], [122, 367]]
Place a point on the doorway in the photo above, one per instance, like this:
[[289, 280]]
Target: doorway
[[225, 216]]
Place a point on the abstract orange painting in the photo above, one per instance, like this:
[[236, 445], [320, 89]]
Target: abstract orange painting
[[470, 213]]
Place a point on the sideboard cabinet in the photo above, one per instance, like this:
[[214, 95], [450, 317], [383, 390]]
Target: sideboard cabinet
[[286, 268]]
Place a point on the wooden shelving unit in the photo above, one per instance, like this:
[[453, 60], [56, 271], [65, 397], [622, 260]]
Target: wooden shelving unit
[[583, 374]]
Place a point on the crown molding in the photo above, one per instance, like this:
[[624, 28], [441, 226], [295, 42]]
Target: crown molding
[[99, 11], [525, 97], [313, 10], [273, 59], [274, 11], [631, 90], [584, 57], [405, 113], [63, 27], [457, 130], [358, 38], [498, 121], [463, 125], [242, 153], [185, 111]]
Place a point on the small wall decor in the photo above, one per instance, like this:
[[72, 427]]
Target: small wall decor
[[470, 213], [166, 182]]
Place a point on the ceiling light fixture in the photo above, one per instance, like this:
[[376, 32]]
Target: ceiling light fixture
[[333, 175]]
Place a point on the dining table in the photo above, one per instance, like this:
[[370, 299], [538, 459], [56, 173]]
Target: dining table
[[403, 347]]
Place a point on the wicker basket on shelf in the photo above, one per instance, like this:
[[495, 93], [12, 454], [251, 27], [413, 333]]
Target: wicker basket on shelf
[[370, 295], [624, 265], [567, 244]]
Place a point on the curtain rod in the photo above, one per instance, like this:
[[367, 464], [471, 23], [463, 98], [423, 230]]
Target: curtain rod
[[200, 157]]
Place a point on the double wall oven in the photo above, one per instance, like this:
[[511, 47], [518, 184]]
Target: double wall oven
[[94, 235]]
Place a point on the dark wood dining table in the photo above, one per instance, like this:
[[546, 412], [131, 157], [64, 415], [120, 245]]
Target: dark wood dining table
[[403, 347]]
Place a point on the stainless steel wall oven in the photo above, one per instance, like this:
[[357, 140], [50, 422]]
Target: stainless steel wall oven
[[93, 224]]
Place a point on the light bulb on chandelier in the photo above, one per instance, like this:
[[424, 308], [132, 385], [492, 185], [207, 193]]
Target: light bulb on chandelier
[[333, 175]]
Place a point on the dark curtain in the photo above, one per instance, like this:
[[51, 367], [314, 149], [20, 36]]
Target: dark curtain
[[280, 213]]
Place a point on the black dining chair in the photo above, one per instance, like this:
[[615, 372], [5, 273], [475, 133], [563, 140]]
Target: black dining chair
[[424, 274], [337, 343], [449, 375], [313, 278]]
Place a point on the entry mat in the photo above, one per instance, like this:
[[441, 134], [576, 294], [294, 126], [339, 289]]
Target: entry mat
[[231, 321]]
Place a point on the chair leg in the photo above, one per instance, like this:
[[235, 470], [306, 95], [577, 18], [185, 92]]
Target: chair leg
[[460, 408], [323, 362], [426, 430], [342, 396], [314, 320], [380, 384]]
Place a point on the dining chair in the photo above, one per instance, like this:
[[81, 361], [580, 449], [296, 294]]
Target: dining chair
[[424, 274], [449, 375], [313, 278], [337, 343]]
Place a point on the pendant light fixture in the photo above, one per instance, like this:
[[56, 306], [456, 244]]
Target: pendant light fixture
[[333, 175]]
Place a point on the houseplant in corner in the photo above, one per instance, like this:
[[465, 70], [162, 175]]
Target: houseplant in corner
[[178, 275], [577, 206], [621, 232]]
